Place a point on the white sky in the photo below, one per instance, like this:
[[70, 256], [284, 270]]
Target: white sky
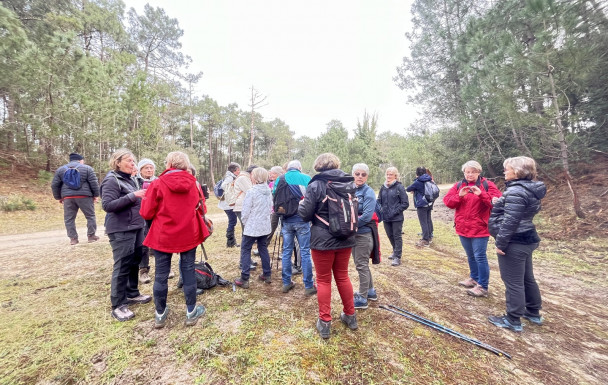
[[315, 60]]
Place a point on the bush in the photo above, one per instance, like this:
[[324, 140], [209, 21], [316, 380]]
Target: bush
[[16, 202], [45, 177]]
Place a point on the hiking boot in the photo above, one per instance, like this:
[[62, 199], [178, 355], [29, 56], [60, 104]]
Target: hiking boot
[[264, 278], [296, 270], [73, 241], [160, 320], [535, 319], [324, 328], [171, 274], [392, 256], [349, 320], [93, 238], [469, 282], [503, 322], [144, 277], [477, 291], [139, 300], [423, 243], [192, 317], [372, 295], [360, 302], [122, 313], [310, 291], [240, 282], [288, 287], [396, 261]]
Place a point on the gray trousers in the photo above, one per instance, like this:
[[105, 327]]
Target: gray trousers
[[126, 251], [70, 209], [361, 252]]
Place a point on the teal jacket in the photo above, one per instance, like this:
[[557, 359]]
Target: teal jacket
[[297, 182]]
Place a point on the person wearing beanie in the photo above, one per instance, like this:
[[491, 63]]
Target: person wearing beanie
[[76, 186]]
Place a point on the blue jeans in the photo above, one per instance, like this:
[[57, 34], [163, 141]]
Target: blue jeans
[[161, 276], [478, 259], [300, 230]]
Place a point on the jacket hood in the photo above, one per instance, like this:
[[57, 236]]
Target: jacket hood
[[424, 178], [335, 175], [536, 187], [177, 181], [261, 189]]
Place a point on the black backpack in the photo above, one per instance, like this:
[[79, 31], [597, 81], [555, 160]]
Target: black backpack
[[285, 202], [478, 184], [206, 278], [343, 209]]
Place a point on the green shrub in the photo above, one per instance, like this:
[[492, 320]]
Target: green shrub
[[45, 177], [16, 202]]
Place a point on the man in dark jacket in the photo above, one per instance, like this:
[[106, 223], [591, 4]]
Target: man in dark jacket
[[82, 198]]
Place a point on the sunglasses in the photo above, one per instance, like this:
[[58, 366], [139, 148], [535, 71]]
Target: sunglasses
[[363, 174]]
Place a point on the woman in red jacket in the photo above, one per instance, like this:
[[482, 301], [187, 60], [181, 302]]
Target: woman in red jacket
[[472, 199], [172, 201]]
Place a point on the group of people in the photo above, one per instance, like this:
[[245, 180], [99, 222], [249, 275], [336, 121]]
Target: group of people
[[165, 215]]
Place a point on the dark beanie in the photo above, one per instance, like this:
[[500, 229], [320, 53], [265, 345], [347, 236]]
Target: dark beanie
[[75, 156]]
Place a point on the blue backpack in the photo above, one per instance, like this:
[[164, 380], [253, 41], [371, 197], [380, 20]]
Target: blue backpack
[[71, 178], [218, 191]]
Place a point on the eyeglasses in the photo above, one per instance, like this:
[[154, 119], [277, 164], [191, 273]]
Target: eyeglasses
[[363, 174]]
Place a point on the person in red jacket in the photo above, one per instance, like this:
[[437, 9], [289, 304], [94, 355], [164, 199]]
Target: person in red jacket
[[172, 201], [472, 199]]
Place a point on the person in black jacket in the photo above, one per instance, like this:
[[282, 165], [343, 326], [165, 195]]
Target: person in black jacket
[[516, 238], [393, 200], [330, 254], [423, 207], [121, 199]]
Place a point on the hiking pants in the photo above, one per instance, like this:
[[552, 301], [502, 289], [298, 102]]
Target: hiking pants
[[393, 231], [126, 251], [246, 245], [336, 262], [145, 250], [161, 276], [361, 253], [70, 209], [426, 223]]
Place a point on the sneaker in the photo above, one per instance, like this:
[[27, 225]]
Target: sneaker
[[392, 256], [240, 282], [122, 313], [296, 270], [310, 291], [264, 278], [360, 302], [160, 320], [423, 243], [93, 238], [192, 317], [256, 252], [171, 274], [73, 241], [469, 282], [372, 295], [288, 287], [396, 261], [140, 299], [535, 319], [349, 320], [503, 322], [144, 277], [253, 263], [477, 291], [324, 328]]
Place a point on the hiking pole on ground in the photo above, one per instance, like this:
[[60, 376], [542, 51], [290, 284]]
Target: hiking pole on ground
[[450, 332]]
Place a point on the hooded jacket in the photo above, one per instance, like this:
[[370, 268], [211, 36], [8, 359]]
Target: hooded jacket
[[472, 211], [257, 207], [393, 200], [171, 201], [511, 218], [320, 237], [418, 188]]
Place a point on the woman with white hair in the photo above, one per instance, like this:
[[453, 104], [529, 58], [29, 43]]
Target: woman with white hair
[[472, 200]]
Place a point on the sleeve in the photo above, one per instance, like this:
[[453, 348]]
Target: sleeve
[[149, 203], [93, 181], [514, 210], [405, 202], [411, 187], [247, 206], [308, 205], [452, 199], [486, 196], [56, 184], [111, 201], [369, 205]]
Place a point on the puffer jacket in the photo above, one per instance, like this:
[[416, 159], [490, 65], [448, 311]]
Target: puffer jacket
[[320, 238], [89, 185], [511, 218], [472, 211], [257, 208], [394, 202], [171, 202], [120, 203], [418, 188], [242, 184]]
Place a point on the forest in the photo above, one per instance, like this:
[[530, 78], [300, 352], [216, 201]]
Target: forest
[[491, 80]]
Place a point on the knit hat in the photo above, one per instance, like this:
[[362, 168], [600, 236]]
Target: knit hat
[[75, 156], [145, 162]]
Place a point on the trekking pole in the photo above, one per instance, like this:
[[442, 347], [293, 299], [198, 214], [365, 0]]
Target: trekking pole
[[451, 332]]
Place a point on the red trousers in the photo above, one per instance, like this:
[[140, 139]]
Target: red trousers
[[326, 262]]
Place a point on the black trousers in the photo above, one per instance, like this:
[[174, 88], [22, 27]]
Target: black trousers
[[126, 250], [426, 223], [522, 293], [393, 231]]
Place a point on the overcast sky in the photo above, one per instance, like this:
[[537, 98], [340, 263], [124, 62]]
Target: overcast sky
[[315, 60]]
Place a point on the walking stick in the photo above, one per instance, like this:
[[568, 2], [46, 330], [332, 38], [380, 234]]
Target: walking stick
[[277, 238], [441, 328]]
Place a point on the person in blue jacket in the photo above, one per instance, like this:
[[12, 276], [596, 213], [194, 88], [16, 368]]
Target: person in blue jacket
[[423, 208]]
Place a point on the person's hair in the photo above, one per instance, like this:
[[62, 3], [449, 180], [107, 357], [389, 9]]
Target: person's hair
[[523, 167], [284, 167], [232, 167], [294, 164], [472, 164], [259, 175], [178, 160], [192, 170], [277, 170], [251, 168], [420, 171], [326, 161], [394, 171], [360, 166], [117, 156]]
